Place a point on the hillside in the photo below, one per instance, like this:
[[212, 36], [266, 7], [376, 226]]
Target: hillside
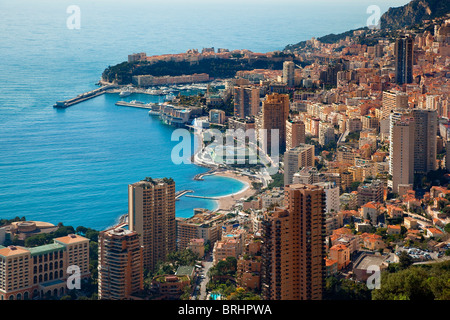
[[414, 13], [408, 15]]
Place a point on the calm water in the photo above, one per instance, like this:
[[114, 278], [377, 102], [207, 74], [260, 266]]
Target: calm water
[[73, 166]]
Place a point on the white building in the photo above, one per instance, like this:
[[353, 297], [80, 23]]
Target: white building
[[332, 201]]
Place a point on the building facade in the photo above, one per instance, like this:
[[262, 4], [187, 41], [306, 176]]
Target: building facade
[[43, 271], [293, 250], [151, 213], [297, 158], [120, 264], [403, 51]]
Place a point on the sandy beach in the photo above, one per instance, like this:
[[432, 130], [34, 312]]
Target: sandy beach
[[227, 202]]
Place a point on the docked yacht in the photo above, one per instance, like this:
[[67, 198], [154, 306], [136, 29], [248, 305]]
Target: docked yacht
[[125, 93]]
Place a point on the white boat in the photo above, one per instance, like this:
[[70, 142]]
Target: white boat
[[169, 97], [154, 92], [125, 93]]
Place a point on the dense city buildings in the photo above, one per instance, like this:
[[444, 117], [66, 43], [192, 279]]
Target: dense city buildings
[[120, 264], [295, 133], [217, 116], [151, 214], [297, 158], [293, 246], [149, 80], [204, 224], [352, 173], [289, 73], [392, 101], [246, 101]]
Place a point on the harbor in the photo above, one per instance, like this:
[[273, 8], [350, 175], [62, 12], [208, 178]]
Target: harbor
[[166, 92]]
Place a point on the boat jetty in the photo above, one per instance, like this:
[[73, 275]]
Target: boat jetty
[[136, 104], [84, 96]]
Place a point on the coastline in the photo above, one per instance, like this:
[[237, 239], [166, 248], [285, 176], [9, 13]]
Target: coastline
[[226, 202]]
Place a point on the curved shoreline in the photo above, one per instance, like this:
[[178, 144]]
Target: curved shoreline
[[226, 202]]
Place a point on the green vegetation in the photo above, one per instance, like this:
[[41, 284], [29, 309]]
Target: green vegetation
[[345, 289], [278, 181], [4, 222], [217, 68], [329, 38], [173, 261], [192, 101], [447, 228], [353, 136], [46, 238], [242, 294], [223, 276], [422, 282]]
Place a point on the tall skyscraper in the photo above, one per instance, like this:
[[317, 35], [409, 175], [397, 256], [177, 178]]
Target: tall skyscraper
[[293, 250], [425, 135], [403, 51], [295, 133], [151, 213], [246, 101], [120, 264], [275, 112], [401, 151], [413, 135], [296, 158], [289, 73]]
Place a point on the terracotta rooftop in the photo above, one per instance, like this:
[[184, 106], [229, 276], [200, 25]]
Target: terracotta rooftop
[[12, 251], [71, 238]]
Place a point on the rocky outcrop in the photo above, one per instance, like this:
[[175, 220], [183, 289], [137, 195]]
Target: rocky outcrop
[[413, 13]]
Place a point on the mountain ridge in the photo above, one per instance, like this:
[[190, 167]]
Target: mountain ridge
[[410, 14]]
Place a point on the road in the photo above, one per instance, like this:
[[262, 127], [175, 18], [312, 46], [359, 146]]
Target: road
[[207, 264]]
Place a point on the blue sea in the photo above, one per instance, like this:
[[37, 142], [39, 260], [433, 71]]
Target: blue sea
[[73, 166]]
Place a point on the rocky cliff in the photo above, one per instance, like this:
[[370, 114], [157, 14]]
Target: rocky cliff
[[413, 13]]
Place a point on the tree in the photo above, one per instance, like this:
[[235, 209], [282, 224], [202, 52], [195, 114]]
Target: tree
[[345, 289], [207, 246], [81, 230], [416, 283], [405, 260], [447, 228]]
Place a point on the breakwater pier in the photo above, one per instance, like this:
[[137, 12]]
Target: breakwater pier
[[84, 96], [181, 193]]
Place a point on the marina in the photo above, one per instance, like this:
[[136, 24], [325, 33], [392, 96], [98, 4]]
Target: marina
[[167, 93]]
